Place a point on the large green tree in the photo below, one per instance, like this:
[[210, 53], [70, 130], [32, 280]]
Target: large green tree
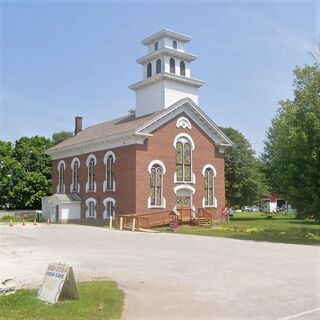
[[245, 182], [25, 171], [292, 147], [30, 177]]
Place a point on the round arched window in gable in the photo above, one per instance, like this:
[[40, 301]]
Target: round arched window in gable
[[156, 46]]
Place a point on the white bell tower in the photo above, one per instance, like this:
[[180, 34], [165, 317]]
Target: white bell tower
[[166, 73]]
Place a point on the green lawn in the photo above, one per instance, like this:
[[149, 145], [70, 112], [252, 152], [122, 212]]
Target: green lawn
[[256, 226], [98, 300]]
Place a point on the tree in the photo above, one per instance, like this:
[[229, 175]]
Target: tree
[[60, 136], [292, 147], [245, 182], [10, 168], [25, 172]]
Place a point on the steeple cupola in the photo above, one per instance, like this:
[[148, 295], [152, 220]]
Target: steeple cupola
[[166, 74]]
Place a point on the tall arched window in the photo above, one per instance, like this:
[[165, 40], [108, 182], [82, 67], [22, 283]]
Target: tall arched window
[[91, 168], [158, 66], [183, 160], [61, 177], [110, 173], [156, 185], [149, 70], [109, 208], [182, 68], [75, 176], [91, 208], [174, 44], [156, 46], [208, 187], [172, 66]]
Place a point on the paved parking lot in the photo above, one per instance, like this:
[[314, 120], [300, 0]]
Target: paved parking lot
[[171, 276]]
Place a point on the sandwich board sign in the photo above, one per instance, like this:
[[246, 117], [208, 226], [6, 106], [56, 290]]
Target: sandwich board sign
[[58, 282]]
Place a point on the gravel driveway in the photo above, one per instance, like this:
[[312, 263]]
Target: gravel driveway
[[172, 276]]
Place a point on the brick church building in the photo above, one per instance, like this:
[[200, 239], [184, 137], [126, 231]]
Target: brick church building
[[166, 155]]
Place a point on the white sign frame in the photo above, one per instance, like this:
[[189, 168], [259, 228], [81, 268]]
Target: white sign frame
[[59, 281]]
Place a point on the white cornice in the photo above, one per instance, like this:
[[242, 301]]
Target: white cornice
[[97, 145], [166, 76], [166, 52], [196, 114], [166, 33]]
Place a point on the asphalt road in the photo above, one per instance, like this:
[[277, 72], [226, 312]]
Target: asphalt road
[[171, 276]]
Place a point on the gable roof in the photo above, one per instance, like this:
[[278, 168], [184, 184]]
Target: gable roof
[[131, 130], [65, 198], [124, 125]]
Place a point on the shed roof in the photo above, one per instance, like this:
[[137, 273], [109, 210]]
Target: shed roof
[[65, 198]]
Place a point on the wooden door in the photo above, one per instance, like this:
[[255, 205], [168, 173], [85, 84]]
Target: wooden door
[[184, 207]]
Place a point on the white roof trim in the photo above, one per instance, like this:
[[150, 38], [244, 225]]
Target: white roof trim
[[166, 33], [227, 142], [166, 76], [166, 51]]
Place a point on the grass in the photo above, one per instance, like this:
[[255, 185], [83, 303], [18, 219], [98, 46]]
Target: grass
[[98, 300], [256, 226], [8, 218]]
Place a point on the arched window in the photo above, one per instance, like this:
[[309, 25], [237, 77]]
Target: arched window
[[208, 187], [91, 208], [61, 177], [75, 176], [183, 160], [156, 186], [91, 169], [149, 70], [174, 44], [158, 66], [182, 68], [156, 46], [110, 173], [109, 208], [172, 66]]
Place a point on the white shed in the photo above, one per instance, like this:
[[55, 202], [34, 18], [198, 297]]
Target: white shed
[[61, 207]]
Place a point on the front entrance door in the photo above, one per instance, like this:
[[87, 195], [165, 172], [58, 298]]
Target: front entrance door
[[183, 205]]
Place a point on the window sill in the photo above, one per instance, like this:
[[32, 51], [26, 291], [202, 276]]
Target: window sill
[[184, 182]]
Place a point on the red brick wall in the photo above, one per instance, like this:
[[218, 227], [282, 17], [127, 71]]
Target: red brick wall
[[132, 176], [125, 171], [160, 147]]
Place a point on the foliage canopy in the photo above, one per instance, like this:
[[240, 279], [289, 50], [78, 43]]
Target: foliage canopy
[[292, 147]]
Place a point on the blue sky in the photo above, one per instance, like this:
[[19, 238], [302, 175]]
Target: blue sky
[[62, 59]]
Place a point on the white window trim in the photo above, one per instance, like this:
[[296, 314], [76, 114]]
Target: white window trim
[[104, 186], [193, 176], [87, 183], [87, 211], [184, 123], [184, 135], [163, 200], [72, 164], [215, 202], [105, 213], [58, 185]]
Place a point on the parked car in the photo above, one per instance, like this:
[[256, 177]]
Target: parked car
[[246, 209], [255, 209]]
